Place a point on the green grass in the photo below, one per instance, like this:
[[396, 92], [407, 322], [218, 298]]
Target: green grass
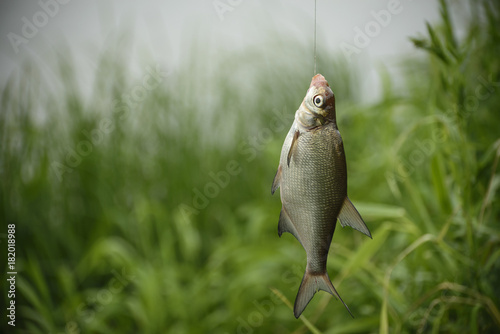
[[115, 241]]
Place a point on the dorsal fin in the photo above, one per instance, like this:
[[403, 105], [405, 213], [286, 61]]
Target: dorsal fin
[[349, 216]]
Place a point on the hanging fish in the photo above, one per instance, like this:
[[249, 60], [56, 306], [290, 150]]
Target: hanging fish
[[312, 176]]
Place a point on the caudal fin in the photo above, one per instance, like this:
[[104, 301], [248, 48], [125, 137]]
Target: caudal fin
[[311, 283]]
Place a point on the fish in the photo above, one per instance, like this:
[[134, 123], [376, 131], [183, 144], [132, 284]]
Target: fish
[[312, 177]]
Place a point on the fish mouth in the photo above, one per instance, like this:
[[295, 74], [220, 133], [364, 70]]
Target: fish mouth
[[319, 81], [320, 86], [311, 115]]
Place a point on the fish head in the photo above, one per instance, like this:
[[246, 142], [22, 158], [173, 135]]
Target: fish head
[[318, 107]]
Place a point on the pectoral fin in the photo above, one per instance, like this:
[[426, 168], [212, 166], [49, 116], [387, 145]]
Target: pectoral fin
[[293, 147], [349, 216], [285, 225], [277, 180]]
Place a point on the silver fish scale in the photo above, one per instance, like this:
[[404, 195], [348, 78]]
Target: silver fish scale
[[313, 189]]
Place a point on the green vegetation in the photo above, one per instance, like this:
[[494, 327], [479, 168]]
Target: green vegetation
[[165, 222]]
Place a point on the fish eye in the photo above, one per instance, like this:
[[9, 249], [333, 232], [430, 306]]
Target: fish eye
[[318, 101]]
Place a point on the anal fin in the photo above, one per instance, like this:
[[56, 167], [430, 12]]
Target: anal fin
[[285, 225], [349, 216]]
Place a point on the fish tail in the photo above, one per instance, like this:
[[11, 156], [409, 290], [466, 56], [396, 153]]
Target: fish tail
[[311, 283]]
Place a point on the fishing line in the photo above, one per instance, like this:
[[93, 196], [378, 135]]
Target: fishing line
[[314, 38]]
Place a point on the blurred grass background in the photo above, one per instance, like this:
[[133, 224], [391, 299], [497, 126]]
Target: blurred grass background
[[114, 236]]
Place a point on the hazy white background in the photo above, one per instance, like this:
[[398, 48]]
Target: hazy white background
[[167, 30]]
